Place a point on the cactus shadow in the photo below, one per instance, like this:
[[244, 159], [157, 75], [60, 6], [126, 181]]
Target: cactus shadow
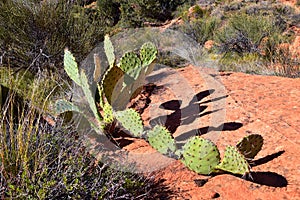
[[266, 159], [118, 137], [186, 115], [228, 126], [270, 179]]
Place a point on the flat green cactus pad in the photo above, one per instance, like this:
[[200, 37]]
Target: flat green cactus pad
[[131, 64], [88, 94], [250, 145], [233, 162], [97, 70], [131, 121], [62, 106], [148, 53], [71, 67], [108, 116], [111, 81], [130, 61], [200, 155], [161, 140], [109, 51]]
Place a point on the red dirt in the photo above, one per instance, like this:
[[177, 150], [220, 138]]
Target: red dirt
[[266, 105]]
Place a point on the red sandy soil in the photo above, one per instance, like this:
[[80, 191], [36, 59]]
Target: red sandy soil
[[265, 105]]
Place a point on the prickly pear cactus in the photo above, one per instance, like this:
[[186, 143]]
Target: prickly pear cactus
[[62, 106], [148, 53], [250, 145], [200, 155], [109, 51], [131, 64], [108, 115], [131, 121], [88, 94], [71, 67], [233, 162], [111, 83], [97, 70], [161, 140]]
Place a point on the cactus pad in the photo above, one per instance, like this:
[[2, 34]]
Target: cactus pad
[[148, 53], [88, 94], [108, 116], [109, 82], [129, 61], [233, 162], [62, 106], [250, 145], [200, 155], [131, 64], [71, 67], [97, 70], [109, 51], [161, 140], [131, 121]]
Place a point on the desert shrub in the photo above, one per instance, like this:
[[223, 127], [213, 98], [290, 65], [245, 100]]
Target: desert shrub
[[183, 10], [201, 29], [285, 62], [109, 11], [250, 34], [33, 34], [250, 63], [39, 161], [171, 60], [135, 12]]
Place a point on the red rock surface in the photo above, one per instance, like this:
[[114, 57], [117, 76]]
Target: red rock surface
[[266, 105]]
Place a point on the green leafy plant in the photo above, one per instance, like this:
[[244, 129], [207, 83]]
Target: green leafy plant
[[233, 162], [135, 12], [202, 28], [40, 161], [33, 34], [130, 120], [160, 139]]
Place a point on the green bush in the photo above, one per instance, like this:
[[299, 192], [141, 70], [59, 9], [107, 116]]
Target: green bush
[[250, 34], [33, 34], [43, 161], [39, 161], [201, 29], [135, 12]]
